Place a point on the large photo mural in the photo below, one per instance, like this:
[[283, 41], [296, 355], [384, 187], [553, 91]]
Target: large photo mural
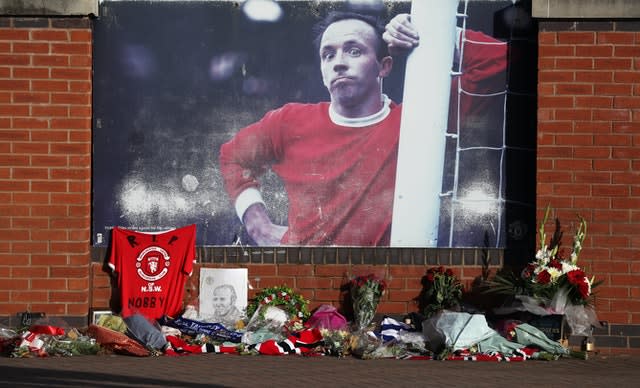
[[306, 123]]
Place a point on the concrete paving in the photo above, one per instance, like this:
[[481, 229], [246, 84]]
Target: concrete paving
[[226, 370]]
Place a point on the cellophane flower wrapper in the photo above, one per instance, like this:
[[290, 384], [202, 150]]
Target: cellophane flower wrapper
[[64, 346], [365, 291], [327, 317], [336, 342], [581, 319], [267, 323], [363, 343], [365, 297], [529, 335], [365, 303]]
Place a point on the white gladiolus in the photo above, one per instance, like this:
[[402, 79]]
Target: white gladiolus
[[566, 267]]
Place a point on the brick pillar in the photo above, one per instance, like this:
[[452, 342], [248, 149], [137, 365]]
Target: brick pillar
[[588, 155], [45, 165]]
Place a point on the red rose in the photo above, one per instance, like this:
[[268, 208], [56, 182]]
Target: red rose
[[440, 269], [543, 277], [430, 277], [449, 272], [576, 276]]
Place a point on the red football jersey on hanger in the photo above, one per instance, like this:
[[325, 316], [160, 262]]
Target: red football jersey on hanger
[[152, 269]]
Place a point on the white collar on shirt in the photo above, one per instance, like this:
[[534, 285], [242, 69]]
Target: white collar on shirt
[[362, 121]]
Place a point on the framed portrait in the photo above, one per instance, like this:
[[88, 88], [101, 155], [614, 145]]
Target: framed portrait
[[223, 294], [97, 314]]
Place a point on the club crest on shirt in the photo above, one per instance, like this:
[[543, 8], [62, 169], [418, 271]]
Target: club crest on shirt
[[153, 263]]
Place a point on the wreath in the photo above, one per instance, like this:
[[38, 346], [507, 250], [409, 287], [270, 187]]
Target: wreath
[[283, 297]]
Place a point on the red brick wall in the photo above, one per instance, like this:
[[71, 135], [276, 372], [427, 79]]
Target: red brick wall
[[45, 165], [588, 151], [319, 283]]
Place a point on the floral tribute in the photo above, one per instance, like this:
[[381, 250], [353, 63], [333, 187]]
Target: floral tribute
[[336, 342], [554, 277], [554, 283], [441, 290], [366, 291], [283, 297]]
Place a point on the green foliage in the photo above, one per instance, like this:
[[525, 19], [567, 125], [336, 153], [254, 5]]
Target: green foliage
[[281, 296], [441, 290]]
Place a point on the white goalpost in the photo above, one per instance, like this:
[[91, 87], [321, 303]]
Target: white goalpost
[[425, 109]]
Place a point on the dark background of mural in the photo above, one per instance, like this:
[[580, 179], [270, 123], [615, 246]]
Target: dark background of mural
[[174, 80]]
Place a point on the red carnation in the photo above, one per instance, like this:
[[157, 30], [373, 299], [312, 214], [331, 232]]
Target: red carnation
[[576, 276], [543, 277], [583, 288]]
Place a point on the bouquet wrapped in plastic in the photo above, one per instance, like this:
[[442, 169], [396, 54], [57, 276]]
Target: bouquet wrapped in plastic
[[365, 295], [553, 283]]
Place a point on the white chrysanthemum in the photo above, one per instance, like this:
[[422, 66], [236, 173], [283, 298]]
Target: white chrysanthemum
[[555, 274], [568, 267]]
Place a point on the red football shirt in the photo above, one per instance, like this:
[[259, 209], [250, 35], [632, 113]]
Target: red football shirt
[[152, 269]]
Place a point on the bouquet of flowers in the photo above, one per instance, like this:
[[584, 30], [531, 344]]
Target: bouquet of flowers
[[551, 278], [553, 283], [336, 342], [440, 290], [366, 291], [551, 274]]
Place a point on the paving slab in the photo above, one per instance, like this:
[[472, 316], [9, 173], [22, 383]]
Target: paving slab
[[226, 370]]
